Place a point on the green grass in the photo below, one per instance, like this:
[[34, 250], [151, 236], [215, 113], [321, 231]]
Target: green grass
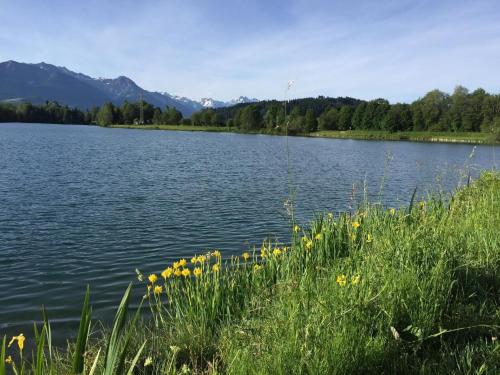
[[407, 290], [462, 137]]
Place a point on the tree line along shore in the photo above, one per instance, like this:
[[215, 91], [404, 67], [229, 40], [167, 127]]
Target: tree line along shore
[[436, 116]]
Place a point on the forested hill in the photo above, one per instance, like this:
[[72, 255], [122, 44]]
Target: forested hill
[[317, 105], [462, 111]]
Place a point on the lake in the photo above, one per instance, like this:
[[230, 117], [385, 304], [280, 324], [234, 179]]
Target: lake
[[87, 205]]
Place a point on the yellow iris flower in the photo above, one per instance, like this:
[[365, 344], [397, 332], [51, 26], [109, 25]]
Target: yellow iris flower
[[20, 341], [197, 271], [186, 272], [158, 289], [246, 256], [152, 278], [341, 280], [167, 272]]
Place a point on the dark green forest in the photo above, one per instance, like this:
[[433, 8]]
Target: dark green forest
[[462, 111], [107, 114]]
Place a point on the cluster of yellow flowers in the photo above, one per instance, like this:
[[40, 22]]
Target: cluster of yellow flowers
[[20, 343], [180, 268], [264, 252], [342, 280]]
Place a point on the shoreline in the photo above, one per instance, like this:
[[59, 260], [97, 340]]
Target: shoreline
[[431, 137]]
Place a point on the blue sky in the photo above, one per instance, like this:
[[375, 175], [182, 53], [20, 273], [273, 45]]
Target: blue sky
[[397, 49]]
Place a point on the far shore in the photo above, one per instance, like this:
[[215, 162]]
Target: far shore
[[379, 135]]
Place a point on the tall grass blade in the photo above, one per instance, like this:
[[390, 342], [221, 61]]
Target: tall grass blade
[[2, 357], [136, 358], [48, 331], [83, 332], [40, 343], [112, 350], [94, 365], [412, 200], [124, 348]]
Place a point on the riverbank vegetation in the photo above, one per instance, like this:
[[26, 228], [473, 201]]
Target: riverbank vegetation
[[435, 112], [378, 290]]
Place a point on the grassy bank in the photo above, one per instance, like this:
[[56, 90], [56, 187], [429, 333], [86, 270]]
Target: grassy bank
[[459, 137], [463, 137], [396, 290]]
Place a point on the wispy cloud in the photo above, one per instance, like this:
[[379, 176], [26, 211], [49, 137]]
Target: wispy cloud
[[393, 49]]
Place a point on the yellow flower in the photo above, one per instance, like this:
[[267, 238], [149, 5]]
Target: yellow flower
[[318, 237], [183, 262], [194, 260], [197, 271], [308, 244], [216, 253], [392, 211], [355, 224], [8, 360], [152, 278], [148, 362], [178, 272], [167, 272], [201, 258], [296, 228], [20, 341], [276, 252], [263, 252], [158, 289], [369, 238], [176, 265], [246, 255], [355, 280], [216, 268], [186, 272], [257, 267], [341, 280]]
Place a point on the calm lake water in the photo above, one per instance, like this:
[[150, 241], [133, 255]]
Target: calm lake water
[[85, 205]]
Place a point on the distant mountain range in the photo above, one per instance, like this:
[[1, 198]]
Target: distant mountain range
[[38, 83]]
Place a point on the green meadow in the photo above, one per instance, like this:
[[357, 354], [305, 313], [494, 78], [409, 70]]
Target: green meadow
[[424, 136]]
